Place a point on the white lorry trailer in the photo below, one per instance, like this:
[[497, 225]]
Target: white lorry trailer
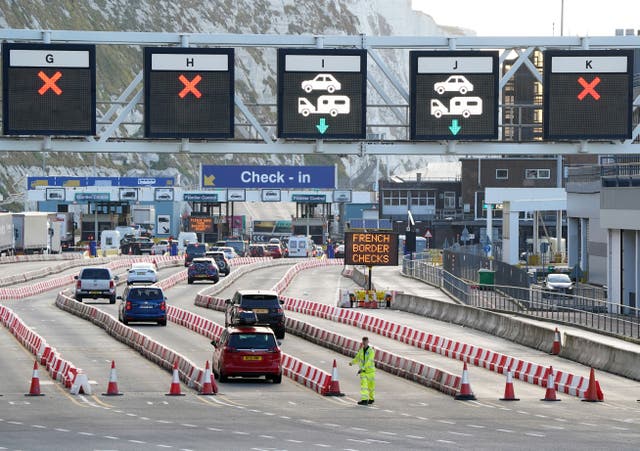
[[31, 232], [7, 246]]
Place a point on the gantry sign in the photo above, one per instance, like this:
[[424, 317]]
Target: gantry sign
[[322, 94], [48, 89], [454, 95], [588, 94], [188, 93]]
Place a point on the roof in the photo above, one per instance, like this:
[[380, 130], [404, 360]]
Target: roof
[[435, 170], [263, 292], [249, 329]]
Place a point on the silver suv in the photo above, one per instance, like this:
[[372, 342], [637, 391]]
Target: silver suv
[[95, 282]]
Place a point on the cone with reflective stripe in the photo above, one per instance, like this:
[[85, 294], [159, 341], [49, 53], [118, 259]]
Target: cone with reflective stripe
[[550, 394], [112, 388], [509, 394], [34, 390], [175, 382], [209, 386], [465, 393], [555, 349], [333, 387], [591, 395]]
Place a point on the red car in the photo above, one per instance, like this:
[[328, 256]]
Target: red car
[[247, 351], [275, 251]]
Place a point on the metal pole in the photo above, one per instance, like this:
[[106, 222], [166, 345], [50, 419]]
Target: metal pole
[[369, 284], [561, 17]]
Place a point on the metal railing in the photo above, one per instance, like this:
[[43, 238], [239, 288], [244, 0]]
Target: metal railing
[[577, 310]]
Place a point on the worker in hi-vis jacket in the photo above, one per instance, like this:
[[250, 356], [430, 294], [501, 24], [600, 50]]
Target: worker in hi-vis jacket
[[367, 371]]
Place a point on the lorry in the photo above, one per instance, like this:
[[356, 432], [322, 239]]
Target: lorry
[[7, 245], [64, 222], [32, 232], [144, 216]]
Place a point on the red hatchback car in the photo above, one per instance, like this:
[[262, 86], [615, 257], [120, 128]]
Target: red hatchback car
[[247, 351]]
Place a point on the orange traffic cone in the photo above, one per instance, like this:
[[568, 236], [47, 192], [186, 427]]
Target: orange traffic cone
[[112, 387], [209, 386], [509, 394], [34, 390], [591, 395], [333, 387], [555, 349], [465, 393], [175, 382], [550, 394]]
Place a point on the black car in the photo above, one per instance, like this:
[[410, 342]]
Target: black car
[[265, 304], [194, 250], [136, 245], [221, 260]]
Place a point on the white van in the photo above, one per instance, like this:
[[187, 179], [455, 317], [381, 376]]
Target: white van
[[185, 238], [300, 246]]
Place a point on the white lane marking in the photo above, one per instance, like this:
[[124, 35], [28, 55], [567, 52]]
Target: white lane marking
[[618, 428], [164, 446], [562, 419], [358, 429], [446, 422], [373, 440], [61, 430], [321, 445], [145, 418], [267, 436], [589, 424], [14, 422], [110, 437], [295, 441], [508, 431], [332, 425], [132, 415], [307, 421], [285, 417], [417, 437], [38, 426], [446, 441], [388, 411], [357, 441], [269, 414], [405, 415], [164, 421], [476, 426], [462, 434], [522, 412], [423, 418], [292, 403], [255, 411], [533, 434], [117, 411], [541, 416], [240, 433], [88, 434], [387, 433], [137, 441], [187, 425], [215, 429]]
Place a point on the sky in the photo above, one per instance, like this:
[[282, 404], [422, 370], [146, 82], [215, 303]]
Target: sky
[[522, 18]]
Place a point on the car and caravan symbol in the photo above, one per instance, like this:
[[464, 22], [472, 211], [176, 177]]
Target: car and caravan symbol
[[455, 83], [332, 105], [458, 106], [322, 82], [146, 181]]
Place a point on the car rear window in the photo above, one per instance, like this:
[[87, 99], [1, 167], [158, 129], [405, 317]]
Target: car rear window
[[193, 249], [95, 273], [142, 294], [259, 301], [252, 341]]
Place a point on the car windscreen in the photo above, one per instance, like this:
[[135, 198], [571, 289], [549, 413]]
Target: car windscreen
[[259, 301], [144, 294], [559, 278], [252, 341], [202, 266], [196, 250], [238, 246], [95, 273]]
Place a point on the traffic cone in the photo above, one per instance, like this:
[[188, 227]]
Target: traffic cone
[[175, 382], [112, 388], [550, 394], [555, 349], [34, 390], [509, 394], [592, 395], [465, 393], [334, 382], [209, 386]]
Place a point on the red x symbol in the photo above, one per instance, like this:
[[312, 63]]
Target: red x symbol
[[49, 83], [588, 88], [190, 86]]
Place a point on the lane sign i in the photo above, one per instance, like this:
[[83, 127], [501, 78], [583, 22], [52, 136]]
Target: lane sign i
[[322, 93], [454, 95], [188, 92], [48, 89]]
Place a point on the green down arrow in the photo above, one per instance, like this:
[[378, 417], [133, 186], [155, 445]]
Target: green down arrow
[[322, 126], [454, 127]]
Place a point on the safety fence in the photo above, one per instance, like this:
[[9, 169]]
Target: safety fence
[[41, 257], [570, 309]]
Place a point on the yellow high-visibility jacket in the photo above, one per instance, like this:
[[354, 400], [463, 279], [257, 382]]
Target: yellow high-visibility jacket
[[365, 360]]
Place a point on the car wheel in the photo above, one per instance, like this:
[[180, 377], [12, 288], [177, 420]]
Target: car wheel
[[216, 280], [190, 281], [78, 298], [222, 377], [162, 322], [227, 273], [277, 379], [124, 320], [112, 299]]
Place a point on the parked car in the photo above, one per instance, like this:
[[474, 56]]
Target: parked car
[[144, 304], [194, 250], [142, 272], [221, 261], [203, 268], [265, 304], [247, 351], [95, 282]]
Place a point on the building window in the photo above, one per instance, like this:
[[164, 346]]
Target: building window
[[533, 174], [395, 198], [502, 174], [431, 198], [449, 199], [419, 198]]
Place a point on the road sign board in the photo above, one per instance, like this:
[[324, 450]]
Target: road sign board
[[588, 94], [428, 234], [309, 198], [236, 176], [322, 93], [454, 95], [188, 92], [200, 197], [371, 248], [48, 89]]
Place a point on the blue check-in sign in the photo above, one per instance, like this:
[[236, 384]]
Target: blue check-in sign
[[319, 177]]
